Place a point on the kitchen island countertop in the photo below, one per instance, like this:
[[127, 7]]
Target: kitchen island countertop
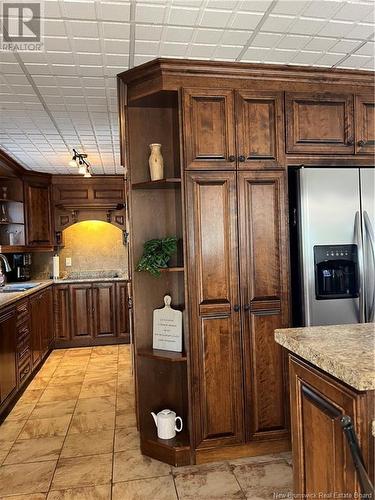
[[346, 352]]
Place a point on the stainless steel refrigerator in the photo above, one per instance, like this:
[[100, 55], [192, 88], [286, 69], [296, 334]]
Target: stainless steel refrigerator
[[336, 219]]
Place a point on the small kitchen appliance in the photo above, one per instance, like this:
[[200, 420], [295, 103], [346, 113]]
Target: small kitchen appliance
[[21, 267]]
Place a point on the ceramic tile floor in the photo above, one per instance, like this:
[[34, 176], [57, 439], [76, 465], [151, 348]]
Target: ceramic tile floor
[[72, 436]]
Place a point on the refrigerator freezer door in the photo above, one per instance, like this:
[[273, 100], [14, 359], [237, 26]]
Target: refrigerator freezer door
[[329, 201], [367, 177]]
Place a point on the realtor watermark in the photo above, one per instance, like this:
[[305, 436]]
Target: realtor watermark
[[22, 26]]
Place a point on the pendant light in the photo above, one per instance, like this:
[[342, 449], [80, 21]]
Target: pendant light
[[79, 160]]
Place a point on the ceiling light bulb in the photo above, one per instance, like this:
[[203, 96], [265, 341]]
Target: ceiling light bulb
[[82, 169], [87, 174], [72, 163]]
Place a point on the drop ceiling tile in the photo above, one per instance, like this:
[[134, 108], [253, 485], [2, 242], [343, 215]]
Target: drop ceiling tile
[[289, 7], [278, 24], [320, 43], [268, 40], [83, 29], [142, 47], [322, 8], [293, 42], [306, 57], [329, 59], [370, 65], [336, 28], [222, 4], [64, 69], [355, 61], [208, 36], [80, 9], [111, 11], [88, 70], [149, 13], [280, 56], [38, 69], [89, 59], [87, 44], [255, 5], [355, 12], [68, 81], [217, 18], [59, 57], [247, 20], [307, 26], [51, 9], [10, 68], [147, 32], [345, 46], [201, 51], [366, 50], [120, 31], [172, 49], [54, 27], [228, 52], [183, 16], [116, 46], [235, 37], [361, 31], [116, 60], [140, 59], [180, 34], [57, 43], [255, 55]]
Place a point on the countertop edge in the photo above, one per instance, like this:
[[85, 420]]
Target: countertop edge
[[9, 299], [316, 358]]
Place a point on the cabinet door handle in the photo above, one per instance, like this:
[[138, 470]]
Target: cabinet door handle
[[350, 141], [232, 158], [236, 308], [361, 143], [241, 158], [246, 307]]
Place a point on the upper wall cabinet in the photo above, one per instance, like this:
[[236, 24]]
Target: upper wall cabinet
[[38, 214], [365, 124], [260, 129], [209, 129], [319, 123]]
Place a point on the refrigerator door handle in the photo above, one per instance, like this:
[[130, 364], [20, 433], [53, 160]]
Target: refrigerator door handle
[[357, 235], [370, 236]]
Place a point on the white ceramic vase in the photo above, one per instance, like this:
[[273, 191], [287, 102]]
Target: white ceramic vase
[[156, 162]]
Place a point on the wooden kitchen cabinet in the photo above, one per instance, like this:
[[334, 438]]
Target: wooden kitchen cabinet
[[62, 312], [81, 310], [365, 124], [39, 231], [215, 317], [264, 290], [122, 310], [319, 123], [8, 367], [104, 309], [260, 129], [41, 324], [322, 462], [209, 129]]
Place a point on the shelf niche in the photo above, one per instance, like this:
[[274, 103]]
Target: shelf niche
[[156, 208]]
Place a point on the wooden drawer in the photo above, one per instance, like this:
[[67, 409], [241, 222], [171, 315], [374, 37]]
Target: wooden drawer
[[23, 332], [24, 370], [22, 312], [24, 350]]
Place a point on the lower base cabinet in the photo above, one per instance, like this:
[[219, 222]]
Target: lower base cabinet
[[8, 366], [41, 318], [91, 313], [322, 463]]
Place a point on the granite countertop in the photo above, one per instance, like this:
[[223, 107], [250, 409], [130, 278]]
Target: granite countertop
[[345, 351], [88, 280], [9, 298]]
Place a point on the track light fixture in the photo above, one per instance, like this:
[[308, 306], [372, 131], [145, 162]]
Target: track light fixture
[[79, 160]]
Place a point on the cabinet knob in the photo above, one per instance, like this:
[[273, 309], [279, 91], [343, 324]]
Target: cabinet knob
[[350, 141], [241, 158], [236, 308], [246, 307], [232, 158], [361, 143]]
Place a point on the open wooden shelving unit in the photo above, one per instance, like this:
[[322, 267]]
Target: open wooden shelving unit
[[15, 208], [156, 212]]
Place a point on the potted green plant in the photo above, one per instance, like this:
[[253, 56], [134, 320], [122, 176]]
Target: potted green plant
[[157, 254]]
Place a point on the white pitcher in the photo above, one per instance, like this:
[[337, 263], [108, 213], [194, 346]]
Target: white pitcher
[[165, 422]]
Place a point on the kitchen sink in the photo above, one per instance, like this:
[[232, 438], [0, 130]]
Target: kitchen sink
[[18, 287]]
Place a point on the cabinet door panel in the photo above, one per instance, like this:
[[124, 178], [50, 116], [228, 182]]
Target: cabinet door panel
[[36, 330], [62, 312], [104, 309], [365, 124], [122, 310], [38, 214], [317, 405], [319, 123], [209, 129], [81, 310], [8, 370], [264, 290], [260, 129], [215, 338]]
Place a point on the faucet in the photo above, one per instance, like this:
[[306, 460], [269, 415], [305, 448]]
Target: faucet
[[7, 269]]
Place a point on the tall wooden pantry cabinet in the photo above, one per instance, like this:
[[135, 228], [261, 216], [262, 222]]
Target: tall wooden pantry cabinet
[[228, 132]]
